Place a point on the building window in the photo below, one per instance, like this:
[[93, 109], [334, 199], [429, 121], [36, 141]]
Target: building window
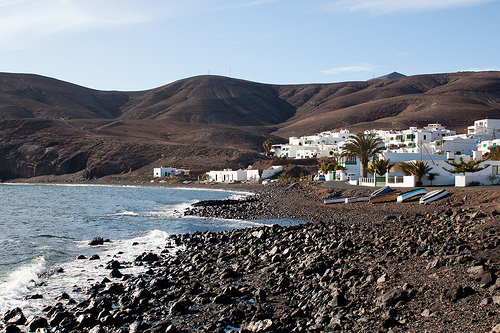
[[425, 137]]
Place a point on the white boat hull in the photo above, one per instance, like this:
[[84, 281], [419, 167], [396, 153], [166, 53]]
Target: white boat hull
[[408, 195], [433, 196], [334, 200], [356, 199]]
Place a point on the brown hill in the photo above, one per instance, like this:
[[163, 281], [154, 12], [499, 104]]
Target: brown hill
[[210, 121], [35, 96]]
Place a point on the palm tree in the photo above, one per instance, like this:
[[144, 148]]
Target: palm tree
[[268, 144], [365, 147], [418, 169], [330, 165], [463, 167], [380, 167], [431, 176]]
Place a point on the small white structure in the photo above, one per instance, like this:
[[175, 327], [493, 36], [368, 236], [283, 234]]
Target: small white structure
[[231, 176], [167, 172]]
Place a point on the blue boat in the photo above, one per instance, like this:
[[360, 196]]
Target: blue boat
[[411, 194], [380, 191]]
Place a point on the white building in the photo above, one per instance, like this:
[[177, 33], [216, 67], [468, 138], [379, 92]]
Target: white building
[[167, 172], [324, 144], [487, 145], [231, 176], [484, 129], [412, 139]]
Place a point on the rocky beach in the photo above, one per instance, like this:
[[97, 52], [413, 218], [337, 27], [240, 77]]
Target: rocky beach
[[388, 267]]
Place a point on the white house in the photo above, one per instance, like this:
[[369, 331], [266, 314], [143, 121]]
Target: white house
[[484, 129], [230, 176], [412, 139], [167, 172], [454, 144], [324, 144], [486, 145], [227, 176]]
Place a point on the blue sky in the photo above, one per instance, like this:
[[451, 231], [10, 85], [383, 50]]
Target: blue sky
[[138, 45]]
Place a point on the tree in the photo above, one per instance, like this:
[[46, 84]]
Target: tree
[[268, 144], [463, 167], [492, 178], [431, 176], [330, 165], [418, 169], [494, 154], [380, 167], [363, 146]]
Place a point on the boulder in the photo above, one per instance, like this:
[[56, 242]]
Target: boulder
[[14, 316], [37, 323]]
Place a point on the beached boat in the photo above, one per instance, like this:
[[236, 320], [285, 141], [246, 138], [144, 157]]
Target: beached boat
[[389, 196], [381, 190], [334, 200], [411, 194], [356, 199], [433, 196]]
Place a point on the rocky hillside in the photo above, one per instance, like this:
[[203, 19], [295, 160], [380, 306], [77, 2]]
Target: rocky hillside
[[45, 122]]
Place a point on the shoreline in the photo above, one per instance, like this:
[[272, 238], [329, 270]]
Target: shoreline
[[356, 268]]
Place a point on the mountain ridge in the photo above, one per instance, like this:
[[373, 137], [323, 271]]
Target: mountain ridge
[[51, 126]]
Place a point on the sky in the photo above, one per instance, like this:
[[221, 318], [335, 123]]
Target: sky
[[133, 45]]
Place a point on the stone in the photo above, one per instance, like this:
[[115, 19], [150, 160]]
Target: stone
[[11, 328], [453, 294], [115, 273], [426, 313], [37, 323], [96, 241], [149, 257], [382, 279], [97, 329], [495, 329], [14, 316], [391, 297], [436, 263], [86, 320], [476, 271], [260, 326], [487, 279]]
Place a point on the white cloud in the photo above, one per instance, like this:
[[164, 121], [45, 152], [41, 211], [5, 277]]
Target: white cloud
[[24, 21], [378, 7], [348, 69]]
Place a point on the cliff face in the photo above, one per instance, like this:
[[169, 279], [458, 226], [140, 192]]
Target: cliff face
[[53, 127]]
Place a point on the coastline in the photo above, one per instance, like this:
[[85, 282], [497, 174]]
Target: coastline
[[354, 268]]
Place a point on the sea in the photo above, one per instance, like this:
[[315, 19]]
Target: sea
[[45, 228]]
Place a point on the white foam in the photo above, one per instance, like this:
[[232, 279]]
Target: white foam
[[19, 283], [124, 213], [77, 275]]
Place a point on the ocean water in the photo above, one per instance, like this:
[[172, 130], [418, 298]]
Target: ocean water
[[44, 228]]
